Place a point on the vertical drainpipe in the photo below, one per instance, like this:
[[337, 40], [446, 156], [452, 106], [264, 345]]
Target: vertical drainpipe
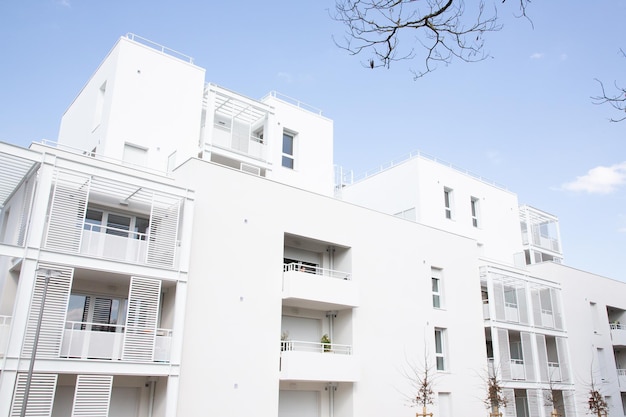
[[331, 388], [152, 382]]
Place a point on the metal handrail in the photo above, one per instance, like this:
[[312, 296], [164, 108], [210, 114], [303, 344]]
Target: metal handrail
[[316, 270], [115, 231], [163, 49], [5, 320], [316, 347], [617, 326]]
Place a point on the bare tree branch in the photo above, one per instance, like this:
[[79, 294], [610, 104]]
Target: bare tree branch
[[441, 28], [616, 100]]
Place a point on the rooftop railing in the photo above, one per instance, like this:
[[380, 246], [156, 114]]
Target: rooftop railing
[[163, 49], [316, 270]]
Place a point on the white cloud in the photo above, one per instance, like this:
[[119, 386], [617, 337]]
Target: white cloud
[[599, 180], [494, 157], [537, 55], [65, 3], [563, 56]]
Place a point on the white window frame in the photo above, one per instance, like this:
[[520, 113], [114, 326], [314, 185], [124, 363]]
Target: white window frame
[[122, 309], [474, 207], [440, 349], [436, 275], [285, 155], [103, 227], [448, 202]]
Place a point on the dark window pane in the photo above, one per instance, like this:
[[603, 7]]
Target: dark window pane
[[287, 162], [287, 144], [118, 225]]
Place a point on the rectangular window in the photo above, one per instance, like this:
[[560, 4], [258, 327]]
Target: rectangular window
[[288, 150], [447, 200], [440, 356], [474, 207], [436, 284]]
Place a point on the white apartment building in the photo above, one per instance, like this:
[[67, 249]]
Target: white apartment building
[[183, 250]]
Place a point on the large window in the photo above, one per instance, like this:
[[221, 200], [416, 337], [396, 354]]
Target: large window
[[117, 224], [288, 150], [97, 313], [440, 347]]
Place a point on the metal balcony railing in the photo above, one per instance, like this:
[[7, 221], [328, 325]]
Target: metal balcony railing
[[5, 327], [316, 270], [315, 347], [105, 341]]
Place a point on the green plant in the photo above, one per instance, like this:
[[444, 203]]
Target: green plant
[[326, 343]]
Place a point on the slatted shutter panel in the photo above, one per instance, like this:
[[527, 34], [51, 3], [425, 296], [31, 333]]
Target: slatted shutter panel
[[529, 360], [546, 403], [509, 395], [24, 214], [54, 311], [141, 320], [102, 314], [40, 396], [67, 211], [561, 349], [505, 354], [163, 230], [556, 309], [536, 307], [522, 305], [569, 404], [533, 397], [542, 351], [92, 396], [498, 298]]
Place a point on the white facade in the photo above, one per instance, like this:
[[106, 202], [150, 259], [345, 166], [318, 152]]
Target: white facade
[[194, 258]]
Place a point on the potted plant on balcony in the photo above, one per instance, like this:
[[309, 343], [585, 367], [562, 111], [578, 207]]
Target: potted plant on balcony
[[326, 343], [284, 337]]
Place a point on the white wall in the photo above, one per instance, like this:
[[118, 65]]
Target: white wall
[[420, 183], [152, 100], [234, 305]]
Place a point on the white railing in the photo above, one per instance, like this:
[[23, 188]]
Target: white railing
[[113, 243], [517, 369], [105, 341], [554, 372], [617, 326], [248, 145], [292, 101], [5, 328], [160, 48], [315, 347], [316, 270], [486, 314]]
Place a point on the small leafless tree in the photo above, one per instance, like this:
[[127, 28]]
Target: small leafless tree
[[443, 30], [617, 100], [421, 378], [597, 404], [495, 399]]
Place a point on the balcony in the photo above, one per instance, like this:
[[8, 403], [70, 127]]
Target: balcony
[[518, 372], [5, 328], [110, 243], [314, 361], [486, 314], [554, 372], [242, 143], [318, 288], [621, 375], [618, 334], [85, 340]]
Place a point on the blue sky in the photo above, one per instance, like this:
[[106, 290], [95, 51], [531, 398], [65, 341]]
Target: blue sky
[[523, 118]]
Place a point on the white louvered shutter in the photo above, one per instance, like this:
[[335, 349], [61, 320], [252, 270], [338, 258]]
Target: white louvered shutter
[[561, 348], [556, 309], [509, 395], [529, 360], [40, 396], [24, 214], [54, 311], [533, 397], [536, 307], [569, 403], [141, 320], [542, 351], [505, 354], [67, 211], [498, 298], [92, 396], [522, 305], [163, 231]]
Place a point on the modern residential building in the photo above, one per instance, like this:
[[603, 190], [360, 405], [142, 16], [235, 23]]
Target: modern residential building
[[184, 250]]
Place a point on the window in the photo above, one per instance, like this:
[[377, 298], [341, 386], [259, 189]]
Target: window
[[97, 313], [474, 207], [447, 199], [116, 224], [288, 150], [440, 349], [135, 154], [437, 289]]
